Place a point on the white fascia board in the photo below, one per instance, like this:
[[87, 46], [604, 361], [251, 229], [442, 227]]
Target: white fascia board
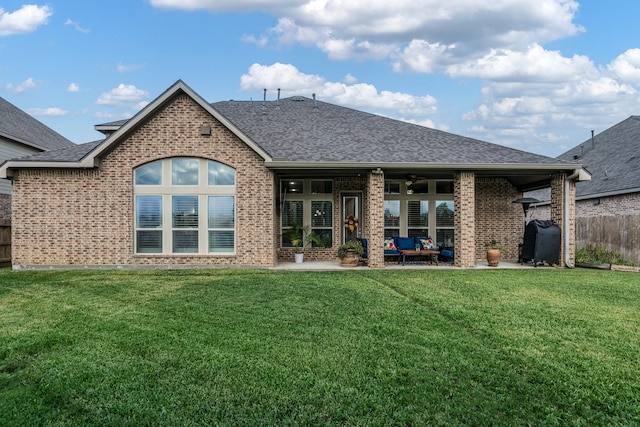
[[7, 168], [583, 175], [283, 164]]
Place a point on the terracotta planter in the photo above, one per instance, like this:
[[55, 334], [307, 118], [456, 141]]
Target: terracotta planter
[[493, 257], [350, 259]]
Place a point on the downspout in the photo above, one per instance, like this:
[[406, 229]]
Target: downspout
[[567, 180]]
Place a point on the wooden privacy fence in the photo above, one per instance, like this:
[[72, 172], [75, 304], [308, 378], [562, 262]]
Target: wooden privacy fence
[[614, 233], [5, 242]]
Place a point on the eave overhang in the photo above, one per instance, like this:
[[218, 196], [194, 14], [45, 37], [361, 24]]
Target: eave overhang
[[525, 176]]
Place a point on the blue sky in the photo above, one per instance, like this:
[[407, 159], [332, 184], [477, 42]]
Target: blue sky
[[536, 75]]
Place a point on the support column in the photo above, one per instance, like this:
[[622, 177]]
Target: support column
[[464, 219], [558, 198], [374, 211]]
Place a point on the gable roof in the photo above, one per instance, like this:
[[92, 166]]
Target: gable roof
[[300, 129], [613, 159], [18, 126], [306, 134], [88, 155], [300, 134]]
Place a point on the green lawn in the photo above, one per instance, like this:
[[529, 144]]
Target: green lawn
[[378, 348]]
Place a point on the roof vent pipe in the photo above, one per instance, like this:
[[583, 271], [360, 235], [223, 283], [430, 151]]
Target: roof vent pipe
[[278, 102], [315, 104], [264, 105], [593, 141]]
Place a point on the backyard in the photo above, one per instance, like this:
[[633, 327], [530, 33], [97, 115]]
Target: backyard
[[258, 347]]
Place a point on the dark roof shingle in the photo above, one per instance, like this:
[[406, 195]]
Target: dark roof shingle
[[612, 158], [302, 129], [21, 127]]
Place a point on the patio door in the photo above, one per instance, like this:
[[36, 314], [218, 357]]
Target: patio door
[[351, 216]]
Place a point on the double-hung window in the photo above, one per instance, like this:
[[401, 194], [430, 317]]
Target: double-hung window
[[184, 205]]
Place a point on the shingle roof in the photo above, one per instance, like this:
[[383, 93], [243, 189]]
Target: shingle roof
[[612, 157], [74, 153], [19, 126], [302, 129]]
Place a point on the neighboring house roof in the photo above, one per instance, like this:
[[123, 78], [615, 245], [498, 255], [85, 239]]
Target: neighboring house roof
[[18, 126], [299, 133], [613, 159], [71, 154]]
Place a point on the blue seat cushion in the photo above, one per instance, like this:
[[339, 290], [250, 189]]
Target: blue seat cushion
[[447, 253], [406, 243]]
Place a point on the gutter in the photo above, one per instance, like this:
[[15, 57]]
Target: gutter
[[277, 163]]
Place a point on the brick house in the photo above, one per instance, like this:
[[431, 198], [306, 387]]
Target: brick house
[[608, 205], [185, 182], [22, 135]]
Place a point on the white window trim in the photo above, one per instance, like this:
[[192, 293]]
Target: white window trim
[[167, 190], [306, 197], [432, 197]]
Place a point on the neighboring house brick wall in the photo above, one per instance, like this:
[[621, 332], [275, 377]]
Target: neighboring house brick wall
[[85, 217], [497, 217], [623, 204]]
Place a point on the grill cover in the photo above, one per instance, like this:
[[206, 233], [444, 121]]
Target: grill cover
[[541, 242]]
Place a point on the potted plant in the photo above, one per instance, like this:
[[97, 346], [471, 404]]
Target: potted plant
[[494, 252], [300, 236], [350, 252]]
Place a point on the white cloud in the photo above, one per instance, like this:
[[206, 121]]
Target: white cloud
[[127, 96], [358, 95], [76, 26], [379, 28], [24, 20], [517, 113], [349, 79], [224, 5], [124, 68], [532, 64], [528, 93], [50, 112], [73, 87], [626, 67], [25, 85]]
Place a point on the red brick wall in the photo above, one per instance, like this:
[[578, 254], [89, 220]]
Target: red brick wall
[[85, 217]]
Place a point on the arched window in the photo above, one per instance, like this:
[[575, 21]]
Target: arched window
[[184, 205]]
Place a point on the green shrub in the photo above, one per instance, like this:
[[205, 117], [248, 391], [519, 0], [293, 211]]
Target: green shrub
[[596, 255]]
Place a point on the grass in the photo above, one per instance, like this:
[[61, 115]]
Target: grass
[[257, 347]]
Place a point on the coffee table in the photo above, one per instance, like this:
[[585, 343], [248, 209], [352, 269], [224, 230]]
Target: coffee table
[[432, 254]]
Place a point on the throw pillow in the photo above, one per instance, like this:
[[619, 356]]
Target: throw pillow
[[427, 243], [389, 245]]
